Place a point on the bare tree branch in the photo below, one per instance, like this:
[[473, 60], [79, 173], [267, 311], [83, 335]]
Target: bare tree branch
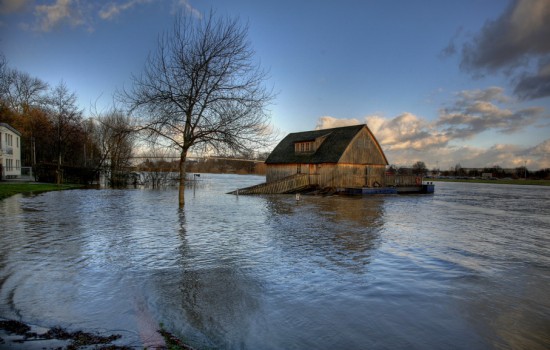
[[202, 89]]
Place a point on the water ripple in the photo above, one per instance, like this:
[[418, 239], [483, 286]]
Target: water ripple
[[466, 268]]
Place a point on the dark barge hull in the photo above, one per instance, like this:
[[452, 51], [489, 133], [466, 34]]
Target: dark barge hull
[[421, 189]]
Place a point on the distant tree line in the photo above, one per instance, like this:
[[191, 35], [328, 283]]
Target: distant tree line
[[457, 171], [61, 144], [214, 165], [495, 171]]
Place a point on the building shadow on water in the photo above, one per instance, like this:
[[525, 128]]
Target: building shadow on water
[[344, 231]]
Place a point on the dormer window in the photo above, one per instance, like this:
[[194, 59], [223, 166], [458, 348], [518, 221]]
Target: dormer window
[[309, 146], [304, 147]]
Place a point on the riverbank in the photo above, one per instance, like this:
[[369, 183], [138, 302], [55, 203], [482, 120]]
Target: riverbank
[[19, 335], [496, 182], [8, 189]]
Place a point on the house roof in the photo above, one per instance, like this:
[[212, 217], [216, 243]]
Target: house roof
[[330, 151], [11, 128]]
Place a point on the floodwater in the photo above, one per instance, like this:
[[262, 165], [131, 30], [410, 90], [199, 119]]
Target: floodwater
[[465, 268]]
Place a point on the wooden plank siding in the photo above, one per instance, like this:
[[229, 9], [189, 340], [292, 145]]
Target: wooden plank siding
[[331, 175], [363, 149], [345, 157]]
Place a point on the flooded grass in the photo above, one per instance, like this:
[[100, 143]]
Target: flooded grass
[[9, 189]]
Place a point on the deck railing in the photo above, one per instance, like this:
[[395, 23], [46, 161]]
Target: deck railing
[[403, 180], [285, 185]]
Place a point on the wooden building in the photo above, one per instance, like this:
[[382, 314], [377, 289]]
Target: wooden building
[[345, 157]]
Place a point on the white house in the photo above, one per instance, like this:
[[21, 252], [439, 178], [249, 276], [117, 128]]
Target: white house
[[10, 152]]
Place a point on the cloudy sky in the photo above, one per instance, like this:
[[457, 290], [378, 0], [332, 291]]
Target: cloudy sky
[[444, 82]]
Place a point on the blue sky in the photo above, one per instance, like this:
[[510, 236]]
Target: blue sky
[[444, 82]]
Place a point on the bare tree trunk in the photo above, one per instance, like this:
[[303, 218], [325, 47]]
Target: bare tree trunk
[[183, 156]]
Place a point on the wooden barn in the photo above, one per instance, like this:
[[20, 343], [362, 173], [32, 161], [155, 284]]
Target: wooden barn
[[332, 158], [346, 160], [343, 160]]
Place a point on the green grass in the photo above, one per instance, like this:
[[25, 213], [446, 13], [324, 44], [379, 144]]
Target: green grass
[[502, 182], [9, 189]]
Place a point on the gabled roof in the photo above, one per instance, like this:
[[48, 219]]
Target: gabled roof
[[330, 151], [11, 128]]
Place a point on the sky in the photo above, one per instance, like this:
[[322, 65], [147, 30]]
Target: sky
[[444, 82]]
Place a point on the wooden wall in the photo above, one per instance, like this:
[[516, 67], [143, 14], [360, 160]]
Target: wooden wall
[[363, 149], [331, 175], [362, 164]]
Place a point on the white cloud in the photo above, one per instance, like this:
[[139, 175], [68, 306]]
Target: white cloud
[[476, 111], [113, 9], [408, 138], [406, 131], [188, 8], [62, 11], [540, 154], [13, 6], [79, 13], [331, 122]]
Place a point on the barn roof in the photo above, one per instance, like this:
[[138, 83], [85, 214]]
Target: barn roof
[[330, 151]]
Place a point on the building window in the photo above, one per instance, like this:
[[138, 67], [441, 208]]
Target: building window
[[303, 147], [9, 139]]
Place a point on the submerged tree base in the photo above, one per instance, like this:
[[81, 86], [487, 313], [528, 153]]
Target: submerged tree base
[[172, 342]]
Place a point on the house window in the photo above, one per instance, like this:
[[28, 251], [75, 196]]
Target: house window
[[303, 147], [9, 139]]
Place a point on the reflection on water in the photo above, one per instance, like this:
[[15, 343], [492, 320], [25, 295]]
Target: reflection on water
[[467, 267]]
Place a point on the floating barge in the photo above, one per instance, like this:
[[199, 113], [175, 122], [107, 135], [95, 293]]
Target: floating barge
[[426, 188]]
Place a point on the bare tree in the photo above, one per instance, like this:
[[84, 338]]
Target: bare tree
[[115, 137], [4, 78], [202, 89], [21, 91], [65, 117], [158, 170]]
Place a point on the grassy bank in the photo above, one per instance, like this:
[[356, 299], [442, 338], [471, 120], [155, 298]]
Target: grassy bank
[[500, 181], [9, 189]]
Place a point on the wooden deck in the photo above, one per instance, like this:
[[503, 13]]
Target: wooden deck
[[289, 184], [304, 182]]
